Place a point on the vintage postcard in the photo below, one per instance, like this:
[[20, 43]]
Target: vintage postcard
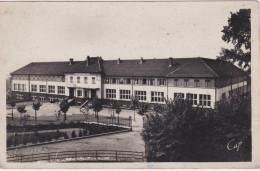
[[106, 84]]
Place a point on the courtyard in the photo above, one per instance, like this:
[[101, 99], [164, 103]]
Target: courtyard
[[128, 141]]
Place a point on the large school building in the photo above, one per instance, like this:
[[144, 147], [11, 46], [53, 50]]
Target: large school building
[[202, 80]]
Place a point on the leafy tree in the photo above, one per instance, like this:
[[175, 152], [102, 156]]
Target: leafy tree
[[180, 132], [97, 106], [142, 109], [135, 101], [118, 110], [23, 116], [113, 104], [238, 32], [36, 106], [64, 107]]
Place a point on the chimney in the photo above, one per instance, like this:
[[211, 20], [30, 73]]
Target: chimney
[[71, 61], [87, 61], [141, 60], [170, 61], [118, 61]]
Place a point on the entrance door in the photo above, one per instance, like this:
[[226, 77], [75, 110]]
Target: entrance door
[[71, 92], [93, 93], [86, 93]]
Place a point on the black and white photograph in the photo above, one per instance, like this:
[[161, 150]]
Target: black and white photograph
[[108, 83]]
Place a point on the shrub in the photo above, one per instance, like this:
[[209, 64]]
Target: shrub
[[49, 138], [73, 134], [66, 136], [80, 133], [85, 133], [24, 141], [42, 139]]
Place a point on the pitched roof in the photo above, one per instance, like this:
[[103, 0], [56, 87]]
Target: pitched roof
[[81, 67], [181, 67], [149, 67]]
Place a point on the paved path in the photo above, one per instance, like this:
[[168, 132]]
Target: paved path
[[131, 141]]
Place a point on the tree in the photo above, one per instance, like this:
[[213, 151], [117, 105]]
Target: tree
[[12, 104], [97, 106], [23, 116], [64, 107], [36, 106], [135, 102], [238, 32], [142, 109], [118, 110], [114, 105]]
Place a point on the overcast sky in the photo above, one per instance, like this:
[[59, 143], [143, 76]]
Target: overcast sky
[[34, 32]]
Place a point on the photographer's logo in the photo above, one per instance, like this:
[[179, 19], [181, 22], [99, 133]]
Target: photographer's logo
[[234, 145]]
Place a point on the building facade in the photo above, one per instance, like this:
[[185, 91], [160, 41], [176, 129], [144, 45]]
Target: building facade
[[202, 80]]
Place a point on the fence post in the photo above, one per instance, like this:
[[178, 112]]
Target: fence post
[[96, 155], [116, 155], [143, 156], [49, 157], [130, 122]]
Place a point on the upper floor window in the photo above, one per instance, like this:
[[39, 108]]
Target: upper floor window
[[136, 81], [186, 82], [78, 79], [128, 80], [34, 87], [207, 83], [43, 88], [85, 80], [176, 82], [152, 81], [121, 80], [196, 83], [144, 81], [63, 79], [19, 87], [113, 80], [93, 80], [51, 89], [161, 81], [71, 79], [23, 87], [15, 87]]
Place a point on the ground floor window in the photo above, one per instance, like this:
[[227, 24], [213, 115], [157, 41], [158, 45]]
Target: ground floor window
[[19, 87], [141, 95], [125, 94], [205, 100], [157, 96], [79, 93], [61, 90], [23, 87], [52, 99], [178, 95], [111, 93], [19, 96], [15, 87], [43, 88], [33, 97], [192, 98], [34, 88], [42, 98], [51, 89]]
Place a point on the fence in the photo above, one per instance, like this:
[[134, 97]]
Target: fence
[[81, 156]]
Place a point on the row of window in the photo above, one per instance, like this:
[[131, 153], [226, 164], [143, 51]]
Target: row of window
[[204, 99], [19, 87], [51, 89], [151, 81], [85, 80], [40, 77]]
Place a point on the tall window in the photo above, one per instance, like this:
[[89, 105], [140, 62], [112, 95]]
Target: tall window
[[176, 82], [23, 87], [51, 89], [61, 90], [161, 81], [113, 80], [71, 79], [179, 95], [144, 81], [79, 93], [152, 81], [78, 79], [93, 80], [157, 96], [125, 94], [141, 95], [111, 93], [192, 98], [128, 81], [207, 83], [34, 88], [19, 87], [136, 81], [205, 100], [186, 82], [85, 80], [196, 83], [15, 87], [43, 88]]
